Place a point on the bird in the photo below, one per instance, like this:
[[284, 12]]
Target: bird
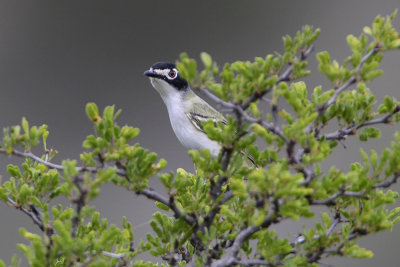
[[186, 110]]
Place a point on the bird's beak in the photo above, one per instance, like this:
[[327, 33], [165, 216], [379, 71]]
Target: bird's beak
[[151, 73]]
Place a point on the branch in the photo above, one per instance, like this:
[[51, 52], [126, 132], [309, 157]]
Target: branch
[[285, 76], [273, 128], [308, 171], [345, 85], [36, 220], [229, 257], [341, 134], [53, 165], [342, 192], [388, 183], [216, 99], [384, 119], [119, 256], [154, 195], [275, 116], [190, 220], [239, 109], [228, 195], [80, 202], [315, 257], [352, 79], [301, 239], [256, 263], [336, 221], [34, 157], [208, 220], [354, 234], [113, 255]]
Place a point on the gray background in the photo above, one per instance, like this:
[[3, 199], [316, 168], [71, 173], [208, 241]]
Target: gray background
[[55, 56]]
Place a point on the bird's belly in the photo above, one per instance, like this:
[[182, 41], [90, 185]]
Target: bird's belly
[[191, 138]]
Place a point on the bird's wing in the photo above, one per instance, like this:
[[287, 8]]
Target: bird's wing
[[196, 119], [196, 115]]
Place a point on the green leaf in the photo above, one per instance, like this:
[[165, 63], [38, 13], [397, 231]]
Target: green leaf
[[326, 219], [324, 57], [92, 112], [206, 59], [3, 194], [187, 67], [394, 213], [30, 236], [367, 30], [69, 168], [129, 133], [374, 159], [369, 133], [353, 42], [96, 220], [25, 125], [357, 252], [162, 206], [66, 214], [108, 112], [44, 137], [14, 171]]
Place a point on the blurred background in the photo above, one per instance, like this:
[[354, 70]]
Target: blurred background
[[55, 56]]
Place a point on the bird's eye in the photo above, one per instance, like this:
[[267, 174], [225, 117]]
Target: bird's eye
[[172, 74]]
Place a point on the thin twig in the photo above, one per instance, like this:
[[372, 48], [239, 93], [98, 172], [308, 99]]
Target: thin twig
[[285, 76], [154, 195], [273, 128], [342, 192], [351, 130], [388, 183], [229, 258], [228, 195], [53, 165], [256, 263], [354, 234], [79, 202], [31, 214], [308, 171], [301, 239], [336, 221], [113, 255], [275, 116], [345, 85], [34, 157]]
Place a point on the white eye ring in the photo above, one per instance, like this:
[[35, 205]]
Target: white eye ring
[[172, 74]]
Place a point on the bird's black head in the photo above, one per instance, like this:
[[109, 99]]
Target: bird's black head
[[169, 73]]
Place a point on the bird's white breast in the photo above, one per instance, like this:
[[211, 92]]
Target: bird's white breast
[[184, 130]]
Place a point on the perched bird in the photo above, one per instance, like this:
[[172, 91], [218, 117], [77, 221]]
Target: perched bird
[[186, 110]]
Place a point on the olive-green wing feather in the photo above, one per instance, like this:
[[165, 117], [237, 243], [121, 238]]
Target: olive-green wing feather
[[197, 115]]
